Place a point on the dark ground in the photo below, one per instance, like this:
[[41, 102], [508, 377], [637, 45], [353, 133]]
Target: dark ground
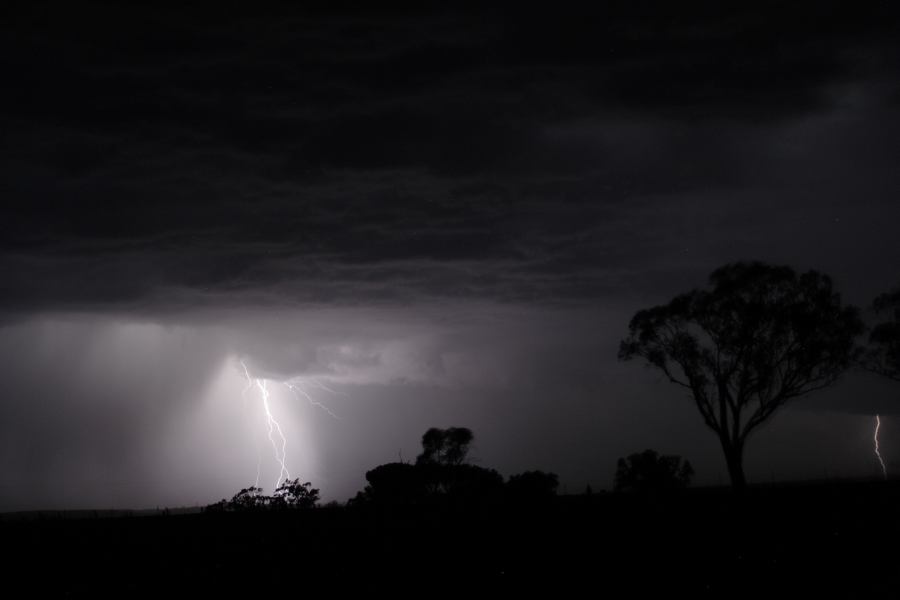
[[835, 539]]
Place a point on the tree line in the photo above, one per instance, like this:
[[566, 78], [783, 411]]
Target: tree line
[[758, 337], [441, 476]]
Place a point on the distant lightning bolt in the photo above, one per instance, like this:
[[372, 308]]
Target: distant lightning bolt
[[272, 426], [263, 386], [256, 441], [299, 387], [877, 452]]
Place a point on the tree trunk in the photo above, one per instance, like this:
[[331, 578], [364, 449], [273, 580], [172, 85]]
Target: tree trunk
[[734, 458]]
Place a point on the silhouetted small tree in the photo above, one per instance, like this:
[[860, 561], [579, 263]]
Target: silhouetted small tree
[[647, 471], [883, 353], [760, 337]]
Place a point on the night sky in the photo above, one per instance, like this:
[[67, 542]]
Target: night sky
[[425, 219]]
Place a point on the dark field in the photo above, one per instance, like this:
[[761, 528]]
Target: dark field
[[839, 540]]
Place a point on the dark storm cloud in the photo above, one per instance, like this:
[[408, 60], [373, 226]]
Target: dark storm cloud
[[313, 156]]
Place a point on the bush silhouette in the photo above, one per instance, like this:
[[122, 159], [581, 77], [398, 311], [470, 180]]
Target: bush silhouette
[[532, 486], [394, 483], [439, 474], [291, 494], [468, 482], [648, 472]]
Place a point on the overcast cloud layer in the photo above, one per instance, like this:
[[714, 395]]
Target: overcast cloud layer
[[450, 218]]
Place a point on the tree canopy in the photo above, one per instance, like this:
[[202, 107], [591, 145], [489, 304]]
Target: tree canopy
[[445, 446], [760, 337], [293, 494], [883, 354], [289, 495]]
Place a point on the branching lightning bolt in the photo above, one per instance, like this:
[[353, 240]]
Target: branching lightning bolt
[[877, 450], [263, 386], [272, 426], [298, 387], [244, 397]]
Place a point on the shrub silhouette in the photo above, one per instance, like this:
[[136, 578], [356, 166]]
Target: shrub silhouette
[[467, 483], [247, 499], [439, 474], [291, 494], [648, 472], [532, 486], [394, 483]]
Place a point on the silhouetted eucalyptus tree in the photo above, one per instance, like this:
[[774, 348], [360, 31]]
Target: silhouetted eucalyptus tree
[[445, 446], [760, 337], [883, 354], [293, 494]]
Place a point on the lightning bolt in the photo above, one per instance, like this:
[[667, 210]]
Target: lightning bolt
[[300, 388], [297, 388], [272, 426], [877, 452], [255, 440]]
